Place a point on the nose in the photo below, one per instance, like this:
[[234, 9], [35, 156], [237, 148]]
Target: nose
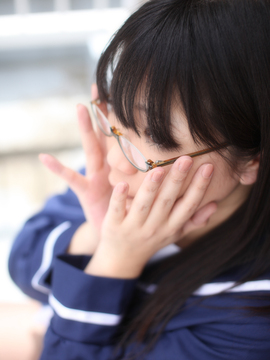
[[117, 160]]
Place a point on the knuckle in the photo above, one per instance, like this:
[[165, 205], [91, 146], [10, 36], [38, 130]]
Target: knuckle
[[70, 175], [94, 151], [116, 209], [149, 233], [150, 189], [202, 185], [166, 202], [142, 207], [190, 208], [172, 231], [177, 179]]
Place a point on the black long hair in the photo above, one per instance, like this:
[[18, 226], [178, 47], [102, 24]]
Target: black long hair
[[213, 55]]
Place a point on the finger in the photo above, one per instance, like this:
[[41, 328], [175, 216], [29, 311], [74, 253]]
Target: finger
[[200, 218], [117, 207], [101, 137], [75, 181], [186, 207], [102, 142], [91, 146], [145, 196], [170, 189], [94, 91]]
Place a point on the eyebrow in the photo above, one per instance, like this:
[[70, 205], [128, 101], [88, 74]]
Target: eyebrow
[[143, 125]]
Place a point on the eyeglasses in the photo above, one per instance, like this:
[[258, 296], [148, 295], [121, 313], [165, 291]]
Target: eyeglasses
[[133, 155]]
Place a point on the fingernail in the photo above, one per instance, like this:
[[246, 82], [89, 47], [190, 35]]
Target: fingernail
[[185, 165], [207, 171], [157, 176], [121, 188]]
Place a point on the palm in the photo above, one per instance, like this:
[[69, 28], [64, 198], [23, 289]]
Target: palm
[[93, 190], [96, 195]]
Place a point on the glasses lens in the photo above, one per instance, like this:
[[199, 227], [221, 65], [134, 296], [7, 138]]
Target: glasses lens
[[133, 154], [102, 121]]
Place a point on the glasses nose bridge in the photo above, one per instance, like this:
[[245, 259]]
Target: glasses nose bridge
[[116, 133]]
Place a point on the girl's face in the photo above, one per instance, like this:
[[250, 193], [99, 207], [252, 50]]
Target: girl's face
[[225, 188]]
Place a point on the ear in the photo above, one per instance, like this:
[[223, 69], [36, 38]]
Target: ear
[[250, 172]]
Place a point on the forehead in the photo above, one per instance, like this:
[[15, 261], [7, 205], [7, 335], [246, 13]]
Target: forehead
[[178, 126]]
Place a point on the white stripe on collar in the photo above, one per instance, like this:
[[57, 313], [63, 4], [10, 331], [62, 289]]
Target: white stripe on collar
[[249, 286], [217, 288], [164, 252]]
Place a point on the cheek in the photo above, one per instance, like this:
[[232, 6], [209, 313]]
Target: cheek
[[220, 187], [110, 142], [222, 184], [135, 182]]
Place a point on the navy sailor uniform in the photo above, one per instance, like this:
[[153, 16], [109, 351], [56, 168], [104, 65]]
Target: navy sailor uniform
[[88, 309]]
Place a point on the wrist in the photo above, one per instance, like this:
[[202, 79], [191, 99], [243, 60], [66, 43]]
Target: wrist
[[107, 263], [84, 240]]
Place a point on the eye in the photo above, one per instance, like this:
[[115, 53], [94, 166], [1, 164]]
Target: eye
[[150, 139]]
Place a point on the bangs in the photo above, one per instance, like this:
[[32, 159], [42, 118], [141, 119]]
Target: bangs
[[142, 75], [162, 57]]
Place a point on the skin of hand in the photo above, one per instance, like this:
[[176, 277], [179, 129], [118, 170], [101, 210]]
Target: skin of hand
[[85, 240], [155, 219], [93, 190]]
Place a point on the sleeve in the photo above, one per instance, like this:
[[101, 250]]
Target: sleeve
[[88, 310], [42, 238]]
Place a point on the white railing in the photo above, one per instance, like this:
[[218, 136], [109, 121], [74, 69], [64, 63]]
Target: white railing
[[24, 6], [63, 26], [58, 28]]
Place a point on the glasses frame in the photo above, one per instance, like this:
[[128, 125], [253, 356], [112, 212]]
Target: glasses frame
[[150, 163]]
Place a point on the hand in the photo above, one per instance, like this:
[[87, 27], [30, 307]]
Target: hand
[[84, 241], [93, 190], [157, 218]]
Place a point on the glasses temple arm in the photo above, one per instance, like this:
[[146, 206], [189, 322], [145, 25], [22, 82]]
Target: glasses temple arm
[[160, 163]]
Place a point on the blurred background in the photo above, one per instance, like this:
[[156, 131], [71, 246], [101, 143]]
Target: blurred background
[[48, 54]]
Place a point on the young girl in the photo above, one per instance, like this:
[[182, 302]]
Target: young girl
[[180, 160]]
